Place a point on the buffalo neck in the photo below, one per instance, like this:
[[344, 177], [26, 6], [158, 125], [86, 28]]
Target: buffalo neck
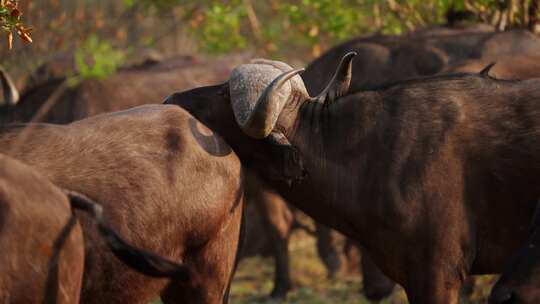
[[336, 142]]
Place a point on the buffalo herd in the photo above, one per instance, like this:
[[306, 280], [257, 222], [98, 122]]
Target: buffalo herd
[[421, 149]]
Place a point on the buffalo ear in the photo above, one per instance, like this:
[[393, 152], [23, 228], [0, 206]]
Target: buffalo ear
[[340, 82]]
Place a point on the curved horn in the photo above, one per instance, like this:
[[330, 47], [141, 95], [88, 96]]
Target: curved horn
[[340, 82], [258, 118], [262, 119], [11, 95]]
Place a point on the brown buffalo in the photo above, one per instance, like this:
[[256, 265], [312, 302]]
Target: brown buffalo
[[54, 100], [42, 242], [62, 65], [421, 173], [169, 184], [151, 82]]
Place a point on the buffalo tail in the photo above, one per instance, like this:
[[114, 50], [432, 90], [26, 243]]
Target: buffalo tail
[[143, 261]]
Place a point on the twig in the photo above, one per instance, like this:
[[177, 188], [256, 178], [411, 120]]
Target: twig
[[534, 23], [254, 22]]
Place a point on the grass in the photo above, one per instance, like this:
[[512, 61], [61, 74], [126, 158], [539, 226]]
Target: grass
[[253, 281], [254, 278]]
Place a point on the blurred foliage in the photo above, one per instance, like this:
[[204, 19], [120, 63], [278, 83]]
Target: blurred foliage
[[292, 29], [10, 21], [97, 59], [221, 30], [224, 26]]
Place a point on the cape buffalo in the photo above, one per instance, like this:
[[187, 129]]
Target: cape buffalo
[[519, 281], [56, 100], [421, 172], [382, 59], [42, 243], [169, 185], [151, 83]]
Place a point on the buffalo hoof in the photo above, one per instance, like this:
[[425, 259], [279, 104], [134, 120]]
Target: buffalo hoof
[[280, 292], [378, 293], [467, 289]]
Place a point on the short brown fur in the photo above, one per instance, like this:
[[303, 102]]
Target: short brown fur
[[178, 200], [41, 241]]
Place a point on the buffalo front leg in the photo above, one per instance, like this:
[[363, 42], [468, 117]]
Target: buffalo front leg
[[377, 285], [433, 289], [437, 236], [327, 250], [282, 277], [278, 219], [435, 264]]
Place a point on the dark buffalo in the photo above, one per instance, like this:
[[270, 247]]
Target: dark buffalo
[[421, 173], [519, 281], [402, 61], [42, 242], [169, 184], [440, 49]]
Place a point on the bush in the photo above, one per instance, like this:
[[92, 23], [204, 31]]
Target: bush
[[97, 59], [10, 21]]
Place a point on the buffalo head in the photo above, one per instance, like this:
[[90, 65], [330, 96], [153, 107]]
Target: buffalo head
[[256, 112]]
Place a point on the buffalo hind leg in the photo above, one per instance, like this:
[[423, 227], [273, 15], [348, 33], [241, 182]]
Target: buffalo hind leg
[[212, 268], [209, 283], [278, 220]]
